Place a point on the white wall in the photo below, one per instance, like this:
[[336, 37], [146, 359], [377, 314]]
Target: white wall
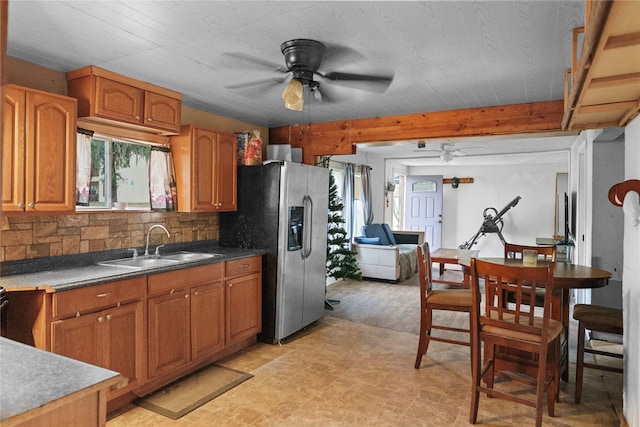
[[608, 220], [631, 286], [495, 186]]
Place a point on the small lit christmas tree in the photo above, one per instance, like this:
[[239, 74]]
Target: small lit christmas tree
[[341, 260]]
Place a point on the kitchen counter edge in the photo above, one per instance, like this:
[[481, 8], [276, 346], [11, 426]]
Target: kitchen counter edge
[[56, 274]]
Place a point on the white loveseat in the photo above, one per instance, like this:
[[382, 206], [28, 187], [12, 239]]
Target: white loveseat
[[385, 254]]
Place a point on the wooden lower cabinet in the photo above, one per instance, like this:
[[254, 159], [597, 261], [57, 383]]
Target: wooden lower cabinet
[[185, 326], [185, 317], [151, 329], [207, 319], [113, 338], [168, 332], [197, 312], [244, 307], [243, 283]]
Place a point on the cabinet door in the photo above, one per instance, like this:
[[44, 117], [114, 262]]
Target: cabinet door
[[207, 319], [125, 344], [226, 174], [79, 338], [168, 332], [204, 150], [13, 150], [162, 111], [243, 307], [50, 153], [118, 101]]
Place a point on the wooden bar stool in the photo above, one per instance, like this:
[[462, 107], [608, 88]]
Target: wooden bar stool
[[595, 318], [437, 299]]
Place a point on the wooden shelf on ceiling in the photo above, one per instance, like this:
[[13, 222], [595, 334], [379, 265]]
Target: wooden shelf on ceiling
[[603, 88]]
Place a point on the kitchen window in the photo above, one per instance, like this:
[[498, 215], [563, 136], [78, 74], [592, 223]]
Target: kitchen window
[[119, 174]]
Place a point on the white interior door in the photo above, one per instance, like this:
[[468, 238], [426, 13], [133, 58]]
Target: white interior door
[[423, 207]]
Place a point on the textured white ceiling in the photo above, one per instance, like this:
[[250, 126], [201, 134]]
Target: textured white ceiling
[[444, 55]]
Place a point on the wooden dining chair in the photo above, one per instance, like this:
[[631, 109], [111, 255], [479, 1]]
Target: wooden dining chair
[[545, 253], [512, 333], [595, 318], [437, 299]]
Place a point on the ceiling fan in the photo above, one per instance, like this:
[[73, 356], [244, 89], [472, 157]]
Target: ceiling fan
[[303, 60], [446, 151]]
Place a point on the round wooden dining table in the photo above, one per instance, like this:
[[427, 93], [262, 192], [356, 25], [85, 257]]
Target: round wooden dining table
[[566, 276]]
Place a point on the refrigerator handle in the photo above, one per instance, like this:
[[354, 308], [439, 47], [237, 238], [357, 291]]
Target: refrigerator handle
[[308, 221]]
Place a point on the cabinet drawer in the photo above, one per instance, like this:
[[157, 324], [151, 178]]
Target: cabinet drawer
[[92, 298], [185, 278], [240, 267]]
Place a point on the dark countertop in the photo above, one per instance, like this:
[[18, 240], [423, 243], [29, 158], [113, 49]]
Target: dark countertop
[[30, 378], [55, 274]]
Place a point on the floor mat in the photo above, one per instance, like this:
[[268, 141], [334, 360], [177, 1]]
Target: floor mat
[[188, 393]]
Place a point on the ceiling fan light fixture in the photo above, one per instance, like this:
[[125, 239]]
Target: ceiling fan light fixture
[[293, 95]]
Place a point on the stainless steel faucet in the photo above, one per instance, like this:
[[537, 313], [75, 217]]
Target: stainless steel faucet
[[146, 250]]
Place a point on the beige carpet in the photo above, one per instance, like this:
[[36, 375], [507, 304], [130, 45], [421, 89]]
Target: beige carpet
[[185, 395]]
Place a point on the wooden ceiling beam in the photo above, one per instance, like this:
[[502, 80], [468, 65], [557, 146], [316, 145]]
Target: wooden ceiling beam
[[331, 138]]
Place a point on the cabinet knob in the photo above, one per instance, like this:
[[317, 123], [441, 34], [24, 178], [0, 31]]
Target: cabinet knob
[[106, 294], [187, 296], [196, 293], [100, 319], [230, 285], [137, 117], [109, 317], [21, 205], [32, 205], [149, 119]]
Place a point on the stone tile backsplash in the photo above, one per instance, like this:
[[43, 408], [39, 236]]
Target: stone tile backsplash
[[34, 237]]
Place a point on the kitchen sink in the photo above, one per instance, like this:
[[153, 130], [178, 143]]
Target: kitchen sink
[[188, 256], [142, 262]]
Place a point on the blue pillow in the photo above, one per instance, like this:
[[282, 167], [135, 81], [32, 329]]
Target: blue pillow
[[367, 240], [376, 230], [389, 233]]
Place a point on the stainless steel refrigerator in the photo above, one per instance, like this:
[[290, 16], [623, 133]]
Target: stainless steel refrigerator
[[283, 208]]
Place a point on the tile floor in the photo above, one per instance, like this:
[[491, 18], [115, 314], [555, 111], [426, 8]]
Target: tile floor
[[340, 372]]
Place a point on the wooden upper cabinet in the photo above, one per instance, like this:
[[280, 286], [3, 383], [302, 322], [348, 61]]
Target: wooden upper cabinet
[[118, 101], [206, 173], [38, 152], [108, 97], [227, 172], [162, 111]]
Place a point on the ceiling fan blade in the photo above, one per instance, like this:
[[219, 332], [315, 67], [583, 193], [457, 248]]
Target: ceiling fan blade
[[360, 81], [265, 82], [337, 55], [253, 61]]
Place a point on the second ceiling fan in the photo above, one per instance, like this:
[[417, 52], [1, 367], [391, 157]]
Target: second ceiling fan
[[446, 151]]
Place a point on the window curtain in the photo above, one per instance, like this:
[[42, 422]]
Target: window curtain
[[367, 205], [162, 180], [83, 166], [348, 194]]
